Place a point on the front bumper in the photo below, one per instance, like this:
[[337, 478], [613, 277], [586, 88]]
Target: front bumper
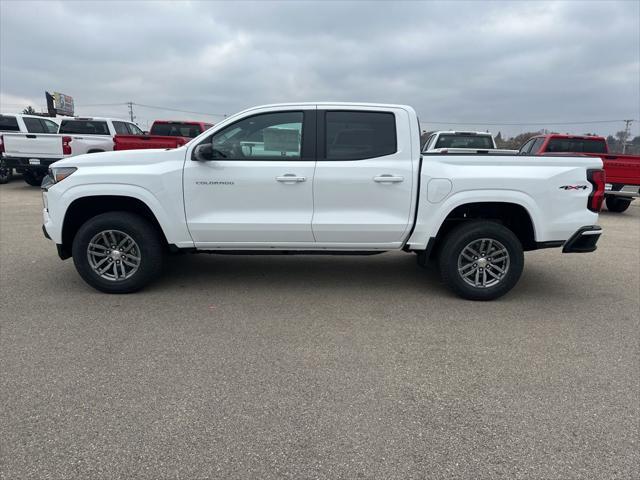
[[23, 164], [584, 240]]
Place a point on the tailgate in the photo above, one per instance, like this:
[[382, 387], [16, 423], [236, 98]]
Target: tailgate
[[139, 142], [622, 169], [39, 145]]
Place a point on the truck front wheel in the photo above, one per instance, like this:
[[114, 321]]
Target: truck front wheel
[[481, 260], [117, 252]]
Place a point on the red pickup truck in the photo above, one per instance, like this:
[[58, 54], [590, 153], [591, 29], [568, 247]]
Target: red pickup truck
[[163, 134], [620, 170]]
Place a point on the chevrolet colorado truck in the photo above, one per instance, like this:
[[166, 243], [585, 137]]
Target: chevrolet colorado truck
[[620, 170], [163, 134], [463, 142], [318, 178], [33, 153]]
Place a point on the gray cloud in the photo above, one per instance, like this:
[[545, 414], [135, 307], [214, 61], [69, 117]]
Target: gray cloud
[[453, 61]]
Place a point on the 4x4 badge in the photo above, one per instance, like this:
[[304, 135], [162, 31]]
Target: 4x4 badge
[[573, 187]]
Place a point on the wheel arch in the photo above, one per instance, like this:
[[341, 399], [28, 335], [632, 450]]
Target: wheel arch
[[82, 209], [512, 215]]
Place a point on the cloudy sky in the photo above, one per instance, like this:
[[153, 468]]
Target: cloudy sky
[[473, 63]]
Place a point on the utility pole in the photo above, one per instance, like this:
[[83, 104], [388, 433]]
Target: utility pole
[[627, 127], [131, 116]]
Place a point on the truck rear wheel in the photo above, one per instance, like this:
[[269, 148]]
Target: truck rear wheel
[[33, 178], [5, 174], [616, 204], [481, 260], [117, 252]]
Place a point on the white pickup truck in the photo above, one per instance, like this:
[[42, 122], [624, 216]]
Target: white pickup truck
[[319, 178], [22, 123], [452, 141], [31, 154]]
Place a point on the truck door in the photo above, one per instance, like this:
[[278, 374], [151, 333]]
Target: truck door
[[250, 183], [364, 177]]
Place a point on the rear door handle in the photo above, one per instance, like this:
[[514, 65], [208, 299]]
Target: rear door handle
[[291, 178], [386, 178]]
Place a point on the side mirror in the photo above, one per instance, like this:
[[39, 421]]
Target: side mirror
[[203, 152]]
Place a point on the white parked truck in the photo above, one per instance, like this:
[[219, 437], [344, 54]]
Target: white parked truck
[[451, 141], [319, 178], [32, 153], [27, 124]]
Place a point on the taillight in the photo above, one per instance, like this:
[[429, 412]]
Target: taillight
[[1, 144], [597, 179], [66, 145]]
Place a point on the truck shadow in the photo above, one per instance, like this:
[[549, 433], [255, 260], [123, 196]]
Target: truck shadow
[[287, 272]]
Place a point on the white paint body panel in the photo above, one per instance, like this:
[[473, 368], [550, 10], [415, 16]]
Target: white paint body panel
[[339, 206]]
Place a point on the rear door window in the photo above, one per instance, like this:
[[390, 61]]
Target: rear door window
[[84, 127], [359, 135], [9, 124], [34, 125]]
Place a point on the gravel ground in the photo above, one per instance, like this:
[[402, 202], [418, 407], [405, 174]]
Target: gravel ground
[[318, 367]]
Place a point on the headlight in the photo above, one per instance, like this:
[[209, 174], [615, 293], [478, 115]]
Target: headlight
[[58, 174]]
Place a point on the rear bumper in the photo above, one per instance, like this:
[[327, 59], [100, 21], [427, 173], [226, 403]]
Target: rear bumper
[[584, 240], [22, 164]]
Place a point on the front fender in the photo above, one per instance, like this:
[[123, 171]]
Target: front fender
[[58, 203]]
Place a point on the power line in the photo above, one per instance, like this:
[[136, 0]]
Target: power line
[[178, 110], [586, 122], [102, 105]]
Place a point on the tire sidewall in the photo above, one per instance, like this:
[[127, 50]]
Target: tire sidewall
[[617, 205], [459, 238], [137, 228]]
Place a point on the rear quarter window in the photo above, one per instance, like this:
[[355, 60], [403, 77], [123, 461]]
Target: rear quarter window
[[577, 145], [85, 127], [176, 130], [464, 141], [8, 124]]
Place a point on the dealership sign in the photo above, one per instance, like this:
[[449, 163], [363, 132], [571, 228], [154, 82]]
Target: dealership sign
[[59, 103]]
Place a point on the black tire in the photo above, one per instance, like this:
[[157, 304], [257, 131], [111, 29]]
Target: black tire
[[5, 174], [465, 234], [145, 235], [33, 178], [616, 204]]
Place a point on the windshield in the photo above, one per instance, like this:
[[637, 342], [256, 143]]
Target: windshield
[[458, 140], [176, 129], [574, 145], [8, 124]]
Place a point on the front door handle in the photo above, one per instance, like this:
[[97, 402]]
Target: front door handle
[[291, 178], [386, 178]]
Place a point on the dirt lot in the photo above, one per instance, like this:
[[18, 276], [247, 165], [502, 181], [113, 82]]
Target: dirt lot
[[317, 367]]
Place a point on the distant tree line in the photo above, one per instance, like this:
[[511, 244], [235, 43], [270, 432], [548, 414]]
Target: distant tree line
[[514, 143]]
